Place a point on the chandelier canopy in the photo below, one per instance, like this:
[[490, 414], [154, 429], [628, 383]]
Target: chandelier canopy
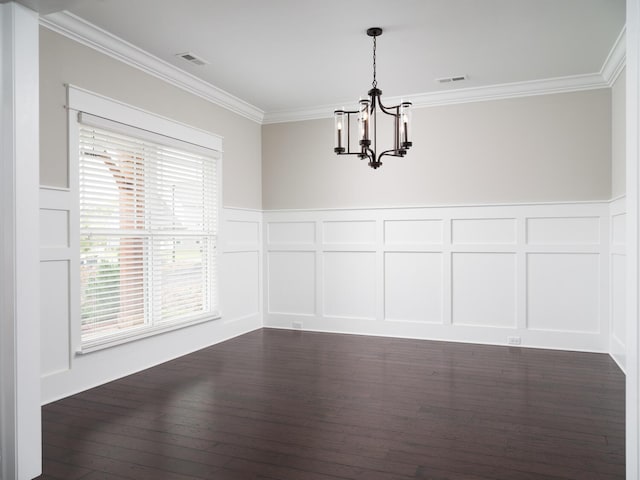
[[367, 116]]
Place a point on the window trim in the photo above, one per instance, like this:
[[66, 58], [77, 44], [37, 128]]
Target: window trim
[[81, 100]]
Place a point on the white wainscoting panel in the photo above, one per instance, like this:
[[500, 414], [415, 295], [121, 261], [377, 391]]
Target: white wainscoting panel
[[483, 231], [242, 233], [349, 284], [291, 233], [241, 265], [349, 233], [413, 286], [64, 372], [538, 273], [618, 229], [618, 298], [559, 231], [563, 292], [291, 280], [54, 315], [618, 283], [413, 232], [484, 289], [240, 285], [55, 227], [55, 265]]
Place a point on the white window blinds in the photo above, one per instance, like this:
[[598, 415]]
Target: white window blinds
[[148, 231]]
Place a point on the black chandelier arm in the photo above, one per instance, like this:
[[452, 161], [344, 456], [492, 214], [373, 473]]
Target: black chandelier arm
[[376, 100], [391, 153], [389, 110], [359, 154], [371, 155], [368, 153]]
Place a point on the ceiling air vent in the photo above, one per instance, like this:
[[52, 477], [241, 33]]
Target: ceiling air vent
[[457, 78], [193, 58]]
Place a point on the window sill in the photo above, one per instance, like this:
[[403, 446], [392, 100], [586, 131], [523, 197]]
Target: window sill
[[90, 346]]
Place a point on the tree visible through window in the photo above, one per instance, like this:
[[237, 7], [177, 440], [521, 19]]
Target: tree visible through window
[[148, 224]]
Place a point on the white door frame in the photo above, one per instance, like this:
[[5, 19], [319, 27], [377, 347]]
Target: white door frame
[[20, 421], [633, 223]]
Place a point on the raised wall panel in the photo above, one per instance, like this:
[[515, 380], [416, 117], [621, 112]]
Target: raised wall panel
[[562, 231], [349, 232], [54, 228], [453, 273], [618, 297], [289, 233], [413, 286], [241, 233], [54, 317], [483, 231], [349, 284], [618, 229], [292, 282], [484, 289], [412, 232], [563, 292], [240, 285]]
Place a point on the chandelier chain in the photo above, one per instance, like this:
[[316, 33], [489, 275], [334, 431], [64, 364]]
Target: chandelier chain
[[374, 84]]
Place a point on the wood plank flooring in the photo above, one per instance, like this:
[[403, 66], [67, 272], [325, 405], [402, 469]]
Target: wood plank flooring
[[291, 405]]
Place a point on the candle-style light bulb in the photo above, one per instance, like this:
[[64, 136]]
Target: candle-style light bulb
[[405, 126], [364, 123], [339, 124], [405, 120]]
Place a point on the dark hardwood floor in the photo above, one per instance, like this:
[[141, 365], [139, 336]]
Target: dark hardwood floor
[[290, 405]]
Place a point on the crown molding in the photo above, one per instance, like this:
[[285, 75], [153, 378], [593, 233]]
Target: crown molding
[[616, 60], [81, 31], [465, 95], [613, 65], [300, 114], [85, 33], [547, 86]]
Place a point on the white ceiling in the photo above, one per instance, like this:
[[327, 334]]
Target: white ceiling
[[286, 55]]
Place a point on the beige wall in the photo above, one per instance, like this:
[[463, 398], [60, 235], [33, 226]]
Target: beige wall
[[63, 61], [532, 149], [618, 136]]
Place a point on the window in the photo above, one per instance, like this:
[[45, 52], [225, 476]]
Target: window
[[148, 221]]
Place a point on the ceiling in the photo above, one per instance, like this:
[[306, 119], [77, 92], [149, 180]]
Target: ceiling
[[292, 55]]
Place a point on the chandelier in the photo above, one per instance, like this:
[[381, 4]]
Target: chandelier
[[367, 119]]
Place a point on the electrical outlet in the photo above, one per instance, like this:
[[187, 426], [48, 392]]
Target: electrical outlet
[[297, 325], [514, 340]]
